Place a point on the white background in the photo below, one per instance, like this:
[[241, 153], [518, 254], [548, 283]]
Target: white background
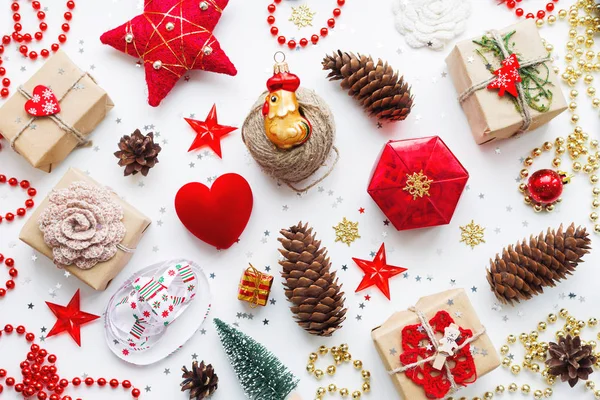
[[435, 255]]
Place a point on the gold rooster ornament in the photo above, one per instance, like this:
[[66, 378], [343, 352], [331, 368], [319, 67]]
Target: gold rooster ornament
[[285, 125]]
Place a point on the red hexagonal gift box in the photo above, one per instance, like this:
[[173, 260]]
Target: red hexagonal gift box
[[417, 182]]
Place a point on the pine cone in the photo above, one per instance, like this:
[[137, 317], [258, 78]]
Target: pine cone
[[201, 381], [318, 302], [570, 360], [375, 85], [525, 269], [138, 153]]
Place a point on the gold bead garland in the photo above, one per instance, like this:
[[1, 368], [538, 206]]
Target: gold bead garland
[[581, 63], [536, 353], [340, 355]]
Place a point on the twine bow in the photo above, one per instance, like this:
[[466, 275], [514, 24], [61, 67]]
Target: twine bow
[[523, 107], [257, 277], [81, 140], [434, 341]]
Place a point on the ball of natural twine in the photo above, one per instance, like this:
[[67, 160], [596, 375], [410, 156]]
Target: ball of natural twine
[[299, 163]]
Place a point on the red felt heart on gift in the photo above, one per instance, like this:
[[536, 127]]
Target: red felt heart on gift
[[218, 215], [43, 102]]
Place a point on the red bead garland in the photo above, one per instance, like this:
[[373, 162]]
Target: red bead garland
[[19, 37], [519, 12], [25, 185], [40, 377], [12, 271], [303, 42]]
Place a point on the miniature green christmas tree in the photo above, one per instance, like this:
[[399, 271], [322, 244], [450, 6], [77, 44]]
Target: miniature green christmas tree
[[261, 374]]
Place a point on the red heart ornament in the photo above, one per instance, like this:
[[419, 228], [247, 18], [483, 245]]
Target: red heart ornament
[[43, 102], [218, 215]]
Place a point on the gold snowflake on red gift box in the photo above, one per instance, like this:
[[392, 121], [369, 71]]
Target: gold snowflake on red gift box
[[418, 184]]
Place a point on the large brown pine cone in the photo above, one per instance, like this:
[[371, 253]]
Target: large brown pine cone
[[525, 269], [570, 360], [376, 86], [138, 153], [201, 381], [316, 296]]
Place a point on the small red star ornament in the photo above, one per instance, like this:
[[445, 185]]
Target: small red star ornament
[[209, 132], [172, 37], [377, 272], [70, 318], [507, 77]]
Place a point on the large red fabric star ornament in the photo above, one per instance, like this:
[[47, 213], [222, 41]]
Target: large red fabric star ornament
[[70, 318], [377, 272], [209, 132], [507, 77], [172, 37]]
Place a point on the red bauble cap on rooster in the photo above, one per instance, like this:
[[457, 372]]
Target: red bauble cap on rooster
[[283, 81]]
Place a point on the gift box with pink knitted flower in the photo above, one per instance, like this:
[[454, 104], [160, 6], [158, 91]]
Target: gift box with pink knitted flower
[[85, 228], [436, 347]]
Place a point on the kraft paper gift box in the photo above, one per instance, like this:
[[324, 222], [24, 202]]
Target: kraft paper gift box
[[440, 310], [100, 275], [490, 116], [46, 141]]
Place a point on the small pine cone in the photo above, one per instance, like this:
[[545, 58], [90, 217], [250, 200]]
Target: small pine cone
[[376, 86], [570, 360], [138, 153], [201, 381], [525, 269], [316, 296]]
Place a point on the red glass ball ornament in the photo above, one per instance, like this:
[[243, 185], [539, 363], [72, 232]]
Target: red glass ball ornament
[[114, 383], [36, 5], [6, 82], [68, 16], [13, 181], [4, 92], [16, 17], [10, 284], [33, 55], [2, 71], [271, 19], [19, 387], [52, 360], [530, 16], [45, 53], [9, 216], [42, 396], [101, 382], [76, 381], [274, 30], [324, 31], [29, 203], [31, 192], [281, 40], [27, 37], [20, 329], [331, 22], [70, 5], [14, 6], [2, 178], [292, 44], [62, 38], [545, 186], [271, 8], [13, 273], [2, 292], [135, 393], [21, 212], [89, 381], [303, 42], [550, 7], [126, 384], [43, 26], [30, 337], [18, 27], [6, 39], [9, 262], [23, 49], [10, 381], [341, 2], [314, 39], [41, 15], [337, 12], [541, 14], [24, 184], [511, 3], [54, 47], [39, 36], [65, 27]]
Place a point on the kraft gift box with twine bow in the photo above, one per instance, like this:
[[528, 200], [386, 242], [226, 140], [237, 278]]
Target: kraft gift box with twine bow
[[411, 342], [46, 141], [492, 116], [100, 275]]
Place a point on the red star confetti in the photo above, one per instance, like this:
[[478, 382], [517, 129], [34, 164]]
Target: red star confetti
[[377, 272], [209, 132], [172, 37], [361, 210], [507, 77], [70, 318]]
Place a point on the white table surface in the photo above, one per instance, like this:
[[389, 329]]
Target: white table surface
[[434, 257]]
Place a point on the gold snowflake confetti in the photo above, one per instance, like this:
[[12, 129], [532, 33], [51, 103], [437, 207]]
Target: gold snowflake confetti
[[472, 234], [346, 231], [302, 16], [418, 184]]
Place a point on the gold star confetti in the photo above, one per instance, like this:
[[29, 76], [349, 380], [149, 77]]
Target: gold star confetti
[[346, 231], [472, 234], [418, 184], [302, 16]]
